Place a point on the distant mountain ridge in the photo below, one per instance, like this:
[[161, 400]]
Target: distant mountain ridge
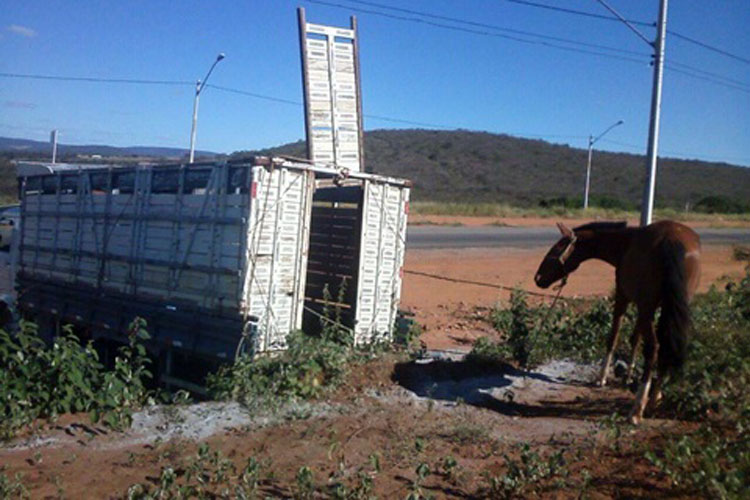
[[19, 146], [466, 166]]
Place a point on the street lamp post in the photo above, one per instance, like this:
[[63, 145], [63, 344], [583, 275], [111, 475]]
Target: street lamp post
[[592, 141], [198, 88]]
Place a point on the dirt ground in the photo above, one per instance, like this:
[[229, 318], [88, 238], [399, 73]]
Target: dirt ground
[[396, 412], [392, 411], [460, 220]]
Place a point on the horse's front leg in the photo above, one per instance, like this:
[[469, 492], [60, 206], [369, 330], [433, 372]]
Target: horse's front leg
[[620, 306], [645, 328]]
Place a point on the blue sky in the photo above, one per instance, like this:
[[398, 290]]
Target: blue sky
[[411, 71]]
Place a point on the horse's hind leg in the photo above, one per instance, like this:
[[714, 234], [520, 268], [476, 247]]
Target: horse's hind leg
[[655, 396], [620, 306], [635, 343], [645, 326]]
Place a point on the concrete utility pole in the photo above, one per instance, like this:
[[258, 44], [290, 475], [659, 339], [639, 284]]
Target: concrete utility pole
[[592, 141], [198, 88], [647, 205], [53, 140]]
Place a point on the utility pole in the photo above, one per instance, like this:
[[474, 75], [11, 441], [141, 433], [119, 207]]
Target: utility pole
[[53, 141], [592, 141], [647, 205]]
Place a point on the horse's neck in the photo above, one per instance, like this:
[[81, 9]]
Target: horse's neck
[[609, 246]]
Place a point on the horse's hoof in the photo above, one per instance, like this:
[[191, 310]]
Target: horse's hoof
[[635, 418], [653, 403], [601, 382]]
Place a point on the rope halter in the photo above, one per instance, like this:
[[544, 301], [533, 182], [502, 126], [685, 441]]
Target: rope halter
[[565, 254]]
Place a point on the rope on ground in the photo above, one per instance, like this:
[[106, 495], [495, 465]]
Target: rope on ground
[[495, 286]]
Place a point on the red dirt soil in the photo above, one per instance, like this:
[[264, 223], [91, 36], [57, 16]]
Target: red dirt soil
[[451, 313]]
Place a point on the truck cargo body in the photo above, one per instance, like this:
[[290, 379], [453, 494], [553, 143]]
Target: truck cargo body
[[214, 256]]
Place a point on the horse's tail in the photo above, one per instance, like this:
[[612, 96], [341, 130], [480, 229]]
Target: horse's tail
[[674, 321]]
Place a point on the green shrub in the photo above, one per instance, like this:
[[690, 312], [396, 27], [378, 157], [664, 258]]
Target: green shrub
[[720, 205], [38, 381], [535, 334], [714, 460], [304, 370]]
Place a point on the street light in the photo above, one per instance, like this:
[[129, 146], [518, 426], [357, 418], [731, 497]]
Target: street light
[[198, 88], [593, 140]]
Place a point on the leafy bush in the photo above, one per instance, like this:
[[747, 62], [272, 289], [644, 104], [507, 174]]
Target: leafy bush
[[720, 205], [535, 334], [43, 382], [305, 369], [712, 389]]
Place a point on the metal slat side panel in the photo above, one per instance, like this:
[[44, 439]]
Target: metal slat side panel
[[369, 261], [304, 236], [276, 252], [133, 243], [332, 94], [382, 256], [401, 215]]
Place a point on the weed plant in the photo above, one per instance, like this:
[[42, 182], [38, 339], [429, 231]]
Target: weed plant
[[713, 460], [42, 382], [603, 211], [532, 335], [527, 476]]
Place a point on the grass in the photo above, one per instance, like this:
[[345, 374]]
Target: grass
[[507, 210]]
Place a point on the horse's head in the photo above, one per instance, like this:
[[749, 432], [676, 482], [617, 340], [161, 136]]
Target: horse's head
[[553, 267]]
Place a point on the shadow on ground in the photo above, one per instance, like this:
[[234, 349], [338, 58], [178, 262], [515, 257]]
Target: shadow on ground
[[495, 386]]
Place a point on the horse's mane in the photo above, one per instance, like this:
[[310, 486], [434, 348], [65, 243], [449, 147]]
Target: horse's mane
[[599, 226]]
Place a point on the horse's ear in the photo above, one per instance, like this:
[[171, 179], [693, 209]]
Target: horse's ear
[[564, 230]]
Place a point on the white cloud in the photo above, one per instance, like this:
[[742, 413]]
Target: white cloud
[[22, 30]]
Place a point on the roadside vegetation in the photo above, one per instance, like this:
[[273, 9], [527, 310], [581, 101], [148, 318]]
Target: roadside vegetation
[[702, 448], [40, 382], [710, 454], [612, 211]]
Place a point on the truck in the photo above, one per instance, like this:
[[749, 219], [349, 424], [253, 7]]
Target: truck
[[220, 258]]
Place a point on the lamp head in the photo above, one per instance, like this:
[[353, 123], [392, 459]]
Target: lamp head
[[220, 56]]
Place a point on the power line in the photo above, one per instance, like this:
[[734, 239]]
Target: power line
[[690, 74], [688, 70], [709, 47], [578, 12], [495, 27], [709, 74], [515, 38], [253, 94], [280, 100], [96, 79], [632, 21]]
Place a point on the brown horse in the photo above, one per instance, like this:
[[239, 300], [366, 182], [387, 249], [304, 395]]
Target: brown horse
[[655, 266]]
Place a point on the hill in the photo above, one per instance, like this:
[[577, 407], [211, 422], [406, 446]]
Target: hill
[[482, 167], [26, 146], [463, 166]]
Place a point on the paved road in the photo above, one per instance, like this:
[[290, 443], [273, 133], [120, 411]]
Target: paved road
[[530, 237]]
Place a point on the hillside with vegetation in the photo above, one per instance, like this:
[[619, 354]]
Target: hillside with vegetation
[[463, 166], [479, 167]]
